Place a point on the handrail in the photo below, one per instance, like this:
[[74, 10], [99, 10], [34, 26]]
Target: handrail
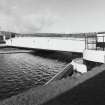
[[95, 42]]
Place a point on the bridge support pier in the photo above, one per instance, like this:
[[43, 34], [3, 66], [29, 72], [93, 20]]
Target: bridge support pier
[[90, 64]]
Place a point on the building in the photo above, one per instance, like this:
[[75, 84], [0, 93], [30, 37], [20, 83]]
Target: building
[[2, 38]]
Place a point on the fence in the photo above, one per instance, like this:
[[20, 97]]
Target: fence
[[95, 42]]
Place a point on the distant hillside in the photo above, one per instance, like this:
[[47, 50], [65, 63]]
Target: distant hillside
[[75, 35]]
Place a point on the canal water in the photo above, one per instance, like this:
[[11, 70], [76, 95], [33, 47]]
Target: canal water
[[24, 69]]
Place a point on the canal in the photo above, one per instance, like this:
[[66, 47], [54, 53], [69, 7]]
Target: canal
[[24, 69]]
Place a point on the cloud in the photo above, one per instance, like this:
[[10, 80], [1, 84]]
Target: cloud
[[30, 16], [29, 23], [16, 16]]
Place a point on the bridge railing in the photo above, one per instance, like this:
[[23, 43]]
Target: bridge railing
[[95, 42]]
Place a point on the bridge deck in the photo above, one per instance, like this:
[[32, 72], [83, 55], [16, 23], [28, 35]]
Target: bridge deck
[[61, 44]]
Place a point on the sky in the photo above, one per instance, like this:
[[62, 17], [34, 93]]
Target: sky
[[52, 16]]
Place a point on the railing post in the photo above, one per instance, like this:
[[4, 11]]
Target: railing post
[[96, 42], [85, 41], [103, 43]]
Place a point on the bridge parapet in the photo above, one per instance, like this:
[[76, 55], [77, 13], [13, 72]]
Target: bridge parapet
[[61, 44]]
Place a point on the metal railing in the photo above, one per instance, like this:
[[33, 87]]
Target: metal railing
[[95, 42]]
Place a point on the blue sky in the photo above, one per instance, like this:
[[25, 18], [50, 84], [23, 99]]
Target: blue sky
[[61, 16]]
